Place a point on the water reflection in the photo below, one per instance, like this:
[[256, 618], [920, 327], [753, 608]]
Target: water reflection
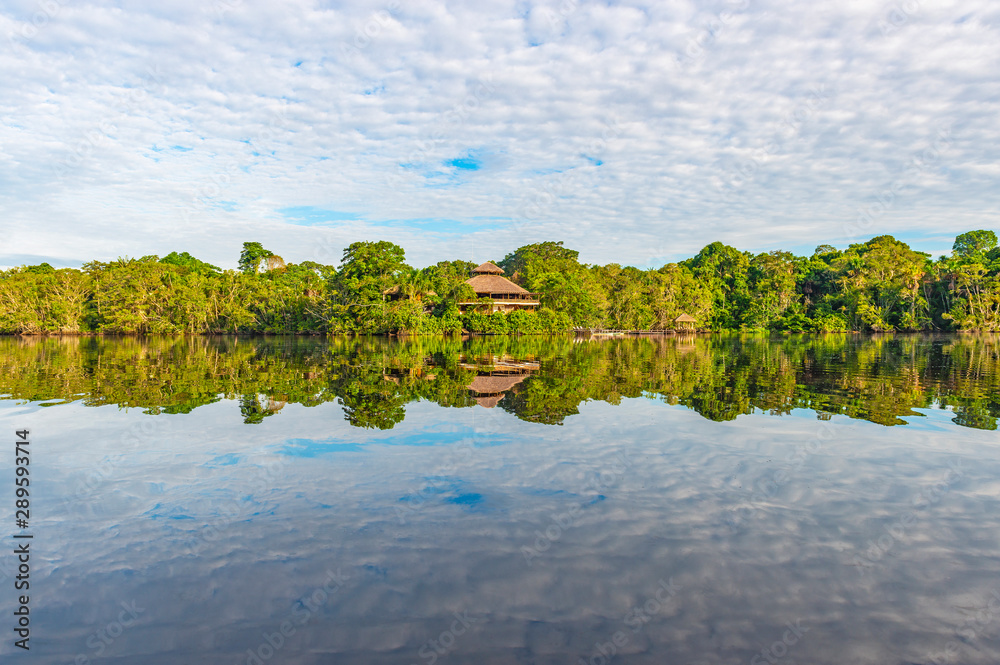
[[652, 524], [543, 380]]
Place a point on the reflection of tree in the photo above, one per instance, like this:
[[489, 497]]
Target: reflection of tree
[[373, 411], [252, 410], [373, 407], [978, 416], [879, 379], [542, 400]]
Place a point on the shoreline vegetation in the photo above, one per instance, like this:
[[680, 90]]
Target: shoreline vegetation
[[880, 285], [542, 379]]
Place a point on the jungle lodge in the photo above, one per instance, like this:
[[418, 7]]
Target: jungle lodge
[[488, 282]]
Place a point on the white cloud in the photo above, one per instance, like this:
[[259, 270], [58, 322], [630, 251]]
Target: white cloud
[[129, 129]]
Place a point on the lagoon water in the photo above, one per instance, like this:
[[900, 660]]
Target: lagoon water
[[704, 500]]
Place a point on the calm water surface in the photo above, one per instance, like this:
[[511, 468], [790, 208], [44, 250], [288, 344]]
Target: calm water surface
[[683, 500]]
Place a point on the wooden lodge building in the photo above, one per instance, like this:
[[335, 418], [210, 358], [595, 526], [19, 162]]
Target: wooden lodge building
[[488, 282]]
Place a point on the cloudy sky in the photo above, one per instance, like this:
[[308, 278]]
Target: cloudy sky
[[637, 132]]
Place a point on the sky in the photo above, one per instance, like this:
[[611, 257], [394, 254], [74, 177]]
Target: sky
[[635, 132]]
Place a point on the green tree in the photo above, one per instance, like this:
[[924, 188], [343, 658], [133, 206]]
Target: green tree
[[185, 260], [564, 283], [969, 282], [251, 257], [881, 284], [381, 260], [974, 244], [724, 269], [40, 299], [367, 271], [772, 280]]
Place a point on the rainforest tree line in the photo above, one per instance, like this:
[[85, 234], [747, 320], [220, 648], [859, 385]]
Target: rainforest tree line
[[880, 285]]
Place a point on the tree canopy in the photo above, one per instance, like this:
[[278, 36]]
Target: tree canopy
[[251, 257], [185, 260], [974, 243], [878, 285]]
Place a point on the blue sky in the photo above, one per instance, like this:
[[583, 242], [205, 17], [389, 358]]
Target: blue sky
[[636, 132]]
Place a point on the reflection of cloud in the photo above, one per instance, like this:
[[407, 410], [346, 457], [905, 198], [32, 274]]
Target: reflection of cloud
[[665, 518]]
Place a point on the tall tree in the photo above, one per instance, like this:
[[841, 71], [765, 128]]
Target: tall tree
[[251, 256], [974, 244], [369, 269], [724, 269], [565, 284], [881, 282], [772, 279]]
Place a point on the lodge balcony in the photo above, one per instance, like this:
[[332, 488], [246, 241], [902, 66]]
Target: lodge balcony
[[503, 302], [521, 298]]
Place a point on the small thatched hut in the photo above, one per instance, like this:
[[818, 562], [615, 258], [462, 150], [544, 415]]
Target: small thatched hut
[[685, 322]]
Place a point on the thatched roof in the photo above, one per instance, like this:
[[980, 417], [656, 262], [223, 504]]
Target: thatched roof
[[493, 284], [489, 401], [488, 268], [491, 385], [685, 318]]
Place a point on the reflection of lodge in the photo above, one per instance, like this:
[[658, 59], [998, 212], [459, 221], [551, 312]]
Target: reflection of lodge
[[720, 378], [503, 365], [506, 296], [489, 389], [498, 378]]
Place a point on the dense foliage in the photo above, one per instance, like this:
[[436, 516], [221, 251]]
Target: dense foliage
[[877, 378], [879, 285]]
